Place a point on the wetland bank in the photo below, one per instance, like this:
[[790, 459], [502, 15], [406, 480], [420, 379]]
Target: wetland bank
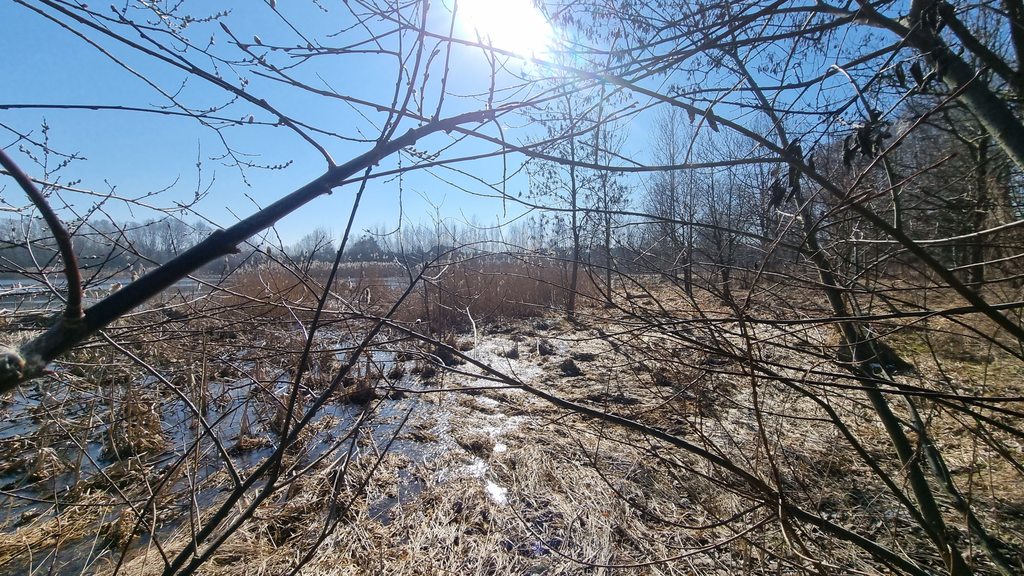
[[480, 442]]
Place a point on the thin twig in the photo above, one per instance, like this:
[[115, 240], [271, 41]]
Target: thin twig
[[73, 310], [17, 366]]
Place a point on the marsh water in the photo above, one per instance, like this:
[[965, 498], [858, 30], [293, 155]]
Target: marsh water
[[56, 444], [24, 296]]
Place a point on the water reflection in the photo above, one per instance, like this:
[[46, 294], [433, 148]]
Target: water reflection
[[25, 296]]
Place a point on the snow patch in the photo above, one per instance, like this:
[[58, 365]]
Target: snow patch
[[498, 494], [477, 469], [486, 402], [504, 424]]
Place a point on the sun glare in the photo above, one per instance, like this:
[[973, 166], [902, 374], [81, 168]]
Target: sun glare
[[513, 25]]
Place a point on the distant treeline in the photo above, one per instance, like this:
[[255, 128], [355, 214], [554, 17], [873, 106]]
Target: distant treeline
[[106, 249]]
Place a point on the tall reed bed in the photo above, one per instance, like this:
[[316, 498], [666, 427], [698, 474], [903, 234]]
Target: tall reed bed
[[447, 297], [455, 296]]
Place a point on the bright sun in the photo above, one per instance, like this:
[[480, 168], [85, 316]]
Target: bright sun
[[513, 25]]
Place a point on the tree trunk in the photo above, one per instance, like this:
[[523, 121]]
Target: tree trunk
[[570, 306], [993, 113], [688, 261], [979, 213], [608, 254]]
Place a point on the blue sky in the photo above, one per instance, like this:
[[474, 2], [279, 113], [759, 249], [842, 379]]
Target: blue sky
[[140, 153], [143, 153]]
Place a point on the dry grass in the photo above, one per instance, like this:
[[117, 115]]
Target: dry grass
[[451, 298], [520, 487], [499, 481], [42, 530], [282, 292], [547, 500], [484, 291]]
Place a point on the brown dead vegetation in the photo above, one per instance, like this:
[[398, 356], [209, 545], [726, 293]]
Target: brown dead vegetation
[[487, 478]]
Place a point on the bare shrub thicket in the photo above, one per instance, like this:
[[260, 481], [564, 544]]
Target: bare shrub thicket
[[758, 310]]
